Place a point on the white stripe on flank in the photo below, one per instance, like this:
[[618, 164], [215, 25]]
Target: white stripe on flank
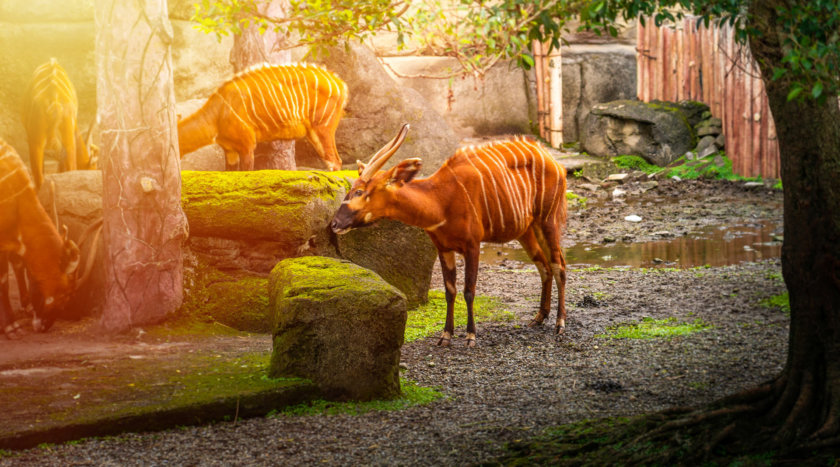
[[495, 191], [522, 172], [289, 96], [515, 196], [253, 117], [483, 189], [502, 175], [299, 94], [266, 97], [315, 100], [466, 195], [281, 90]]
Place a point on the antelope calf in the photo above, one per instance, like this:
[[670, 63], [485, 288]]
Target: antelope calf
[[494, 192], [51, 260], [266, 103], [50, 118]]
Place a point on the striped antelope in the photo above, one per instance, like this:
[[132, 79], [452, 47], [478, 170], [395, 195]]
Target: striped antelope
[[50, 118], [28, 236], [494, 192], [266, 103]]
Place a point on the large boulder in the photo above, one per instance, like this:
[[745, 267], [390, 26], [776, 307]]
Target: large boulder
[[387, 244], [656, 131], [339, 325], [376, 110]]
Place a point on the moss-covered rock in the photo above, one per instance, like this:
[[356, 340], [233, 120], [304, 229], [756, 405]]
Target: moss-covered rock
[[339, 325]]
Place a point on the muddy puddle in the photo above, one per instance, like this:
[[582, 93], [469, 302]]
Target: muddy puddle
[[716, 245]]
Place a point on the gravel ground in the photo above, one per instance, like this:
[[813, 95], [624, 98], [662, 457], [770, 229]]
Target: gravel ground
[[520, 380]]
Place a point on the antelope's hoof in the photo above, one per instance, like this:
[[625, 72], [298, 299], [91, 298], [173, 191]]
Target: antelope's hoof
[[444, 342], [14, 331], [559, 329], [534, 323], [470, 343]]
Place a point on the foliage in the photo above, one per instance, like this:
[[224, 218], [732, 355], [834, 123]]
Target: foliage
[[650, 328], [685, 169], [427, 319], [781, 301], [479, 34], [412, 395], [576, 199], [635, 163]]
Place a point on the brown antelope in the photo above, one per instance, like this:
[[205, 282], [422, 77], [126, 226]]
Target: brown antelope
[[494, 192], [266, 103], [49, 116], [51, 260]]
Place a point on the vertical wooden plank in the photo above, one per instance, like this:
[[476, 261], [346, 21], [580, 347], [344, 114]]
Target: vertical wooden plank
[[536, 46], [757, 118], [679, 56], [640, 47]]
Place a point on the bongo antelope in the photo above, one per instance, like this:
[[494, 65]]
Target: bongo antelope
[[265, 103], [493, 192], [27, 233], [49, 116]]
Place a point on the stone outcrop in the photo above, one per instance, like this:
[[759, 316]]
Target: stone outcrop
[[339, 325], [249, 221], [376, 110], [656, 131]]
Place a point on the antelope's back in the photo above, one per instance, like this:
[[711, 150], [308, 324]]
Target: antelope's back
[[288, 93], [14, 180], [50, 94], [511, 182]]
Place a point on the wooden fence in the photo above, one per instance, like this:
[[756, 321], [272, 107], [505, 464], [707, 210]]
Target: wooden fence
[[684, 61]]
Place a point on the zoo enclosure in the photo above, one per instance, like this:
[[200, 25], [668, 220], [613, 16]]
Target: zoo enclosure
[[683, 61]]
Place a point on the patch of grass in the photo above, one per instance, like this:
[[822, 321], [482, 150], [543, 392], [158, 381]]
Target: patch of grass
[[412, 395], [699, 385], [650, 328], [576, 200], [636, 163], [781, 301], [427, 319]]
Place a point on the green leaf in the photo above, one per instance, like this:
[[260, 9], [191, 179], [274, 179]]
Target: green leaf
[[817, 90], [797, 89]]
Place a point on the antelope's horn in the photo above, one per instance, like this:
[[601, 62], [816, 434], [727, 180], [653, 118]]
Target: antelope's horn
[[52, 202], [96, 227], [381, 157]]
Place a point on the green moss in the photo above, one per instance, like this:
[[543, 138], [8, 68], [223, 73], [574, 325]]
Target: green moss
[[576, 200], [412, 395], [316, 277], [429, 318], [635, 163], [650, 328], [781, 301]]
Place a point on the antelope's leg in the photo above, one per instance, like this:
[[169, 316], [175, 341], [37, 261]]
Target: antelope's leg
[[231, 160], [8, 326], [20, 275], [551, 231], [36, 159], [246, 161], [447, 267], [67, 128], [532, 247], [470, 277], [323, 141]]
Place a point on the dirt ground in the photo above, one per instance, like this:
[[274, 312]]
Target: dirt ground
[[519, 380]]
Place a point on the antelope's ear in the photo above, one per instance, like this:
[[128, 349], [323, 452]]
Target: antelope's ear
[[406, 170], [361, 165]]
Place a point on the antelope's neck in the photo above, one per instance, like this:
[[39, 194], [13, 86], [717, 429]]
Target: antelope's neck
[[40, 238], [199, 129], [418, 203]]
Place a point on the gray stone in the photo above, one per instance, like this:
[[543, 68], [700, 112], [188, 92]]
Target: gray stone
[[201, 62], [403, 255], [704, 142], [339, 325], [707, 151], [376, 110], [720, 141], [658, 133], [708, 130], [593, 74], [693, 111]]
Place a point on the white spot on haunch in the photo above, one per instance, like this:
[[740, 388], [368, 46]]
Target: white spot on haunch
[[368, 217]]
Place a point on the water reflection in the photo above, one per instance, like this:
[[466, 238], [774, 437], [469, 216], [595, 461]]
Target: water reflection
[[714, 246]]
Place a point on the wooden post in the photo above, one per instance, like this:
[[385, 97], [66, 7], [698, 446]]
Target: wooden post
[[555, 93], [144, 226]]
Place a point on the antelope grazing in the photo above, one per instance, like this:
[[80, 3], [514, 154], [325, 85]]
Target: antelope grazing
[[494, 192], [266, 103], [51, 260], [49, 115]]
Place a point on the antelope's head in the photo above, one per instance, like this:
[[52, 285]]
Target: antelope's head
[[370, 195], [55, 291]]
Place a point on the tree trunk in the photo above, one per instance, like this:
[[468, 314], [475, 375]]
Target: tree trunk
[[251, 48], [144, 225], [806, 396]]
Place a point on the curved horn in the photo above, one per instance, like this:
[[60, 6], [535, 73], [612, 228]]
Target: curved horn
[[381, 157], [96, 228], [52, 201]]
